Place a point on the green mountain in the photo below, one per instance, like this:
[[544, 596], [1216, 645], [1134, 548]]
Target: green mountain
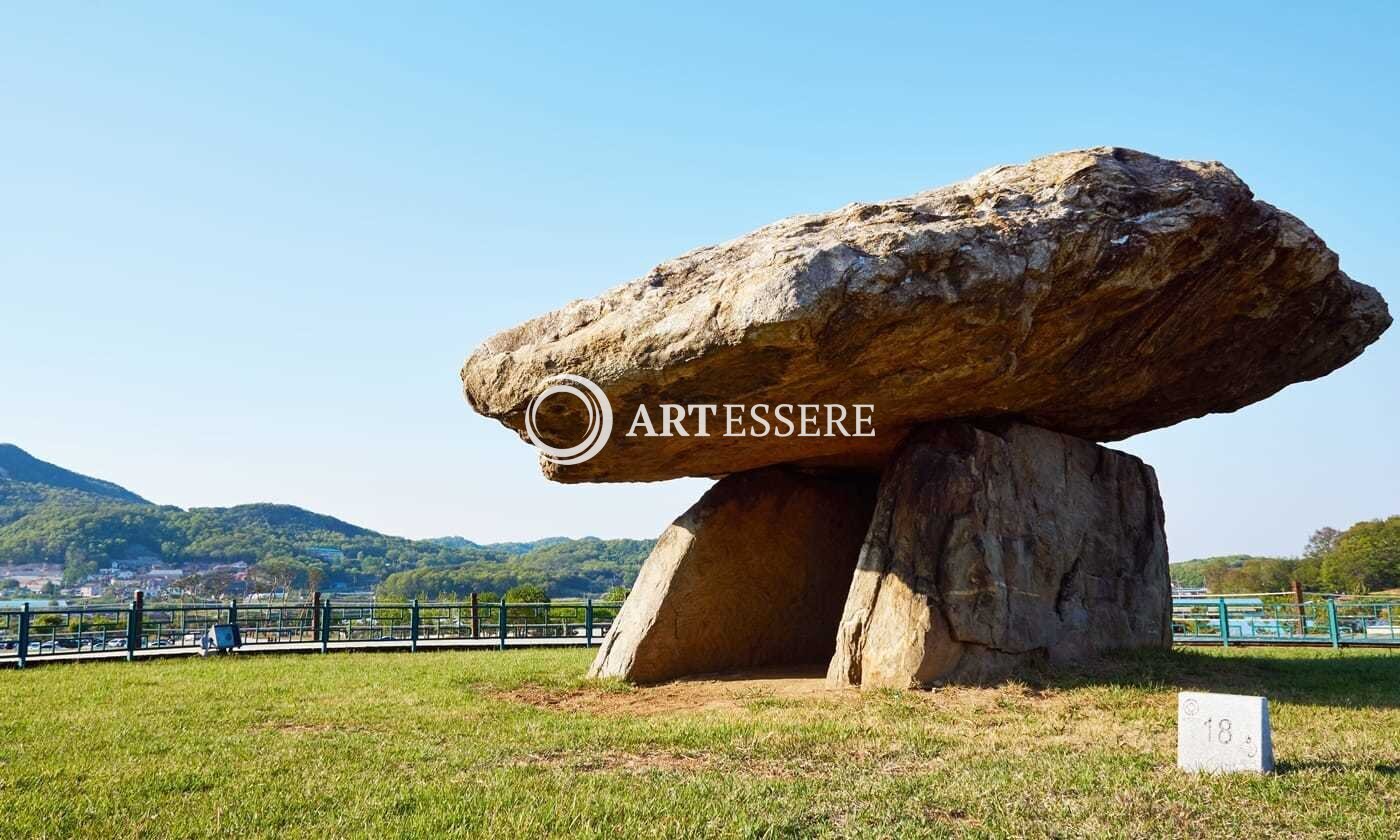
[[18, 465], [1191, 573], [513, 548], [587, 566], [51, 515]]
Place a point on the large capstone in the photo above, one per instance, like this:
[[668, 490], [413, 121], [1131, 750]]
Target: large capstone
[[990, 332], [993, 546], [1099, 293], [754, 574]]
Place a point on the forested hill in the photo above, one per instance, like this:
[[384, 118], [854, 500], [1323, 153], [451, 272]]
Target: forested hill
[[51, 515], [584, 566], [1192, 573], [1363, 558], [18, 465], [504, 547]]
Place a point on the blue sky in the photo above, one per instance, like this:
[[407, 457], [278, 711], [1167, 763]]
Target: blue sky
[[244, 249]]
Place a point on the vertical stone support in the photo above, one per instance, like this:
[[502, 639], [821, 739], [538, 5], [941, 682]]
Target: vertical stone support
[[753, 575], [992, 546]]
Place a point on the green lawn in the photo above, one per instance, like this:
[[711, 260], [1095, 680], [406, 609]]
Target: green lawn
[[519, 745]]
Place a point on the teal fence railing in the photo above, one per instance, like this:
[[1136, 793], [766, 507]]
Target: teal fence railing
[[138, 629], [1242, 620]]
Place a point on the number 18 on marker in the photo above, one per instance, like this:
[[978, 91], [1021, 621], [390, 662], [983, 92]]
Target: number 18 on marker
[[1223, 733]]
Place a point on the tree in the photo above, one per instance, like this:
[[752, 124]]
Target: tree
[[76, 566], [1216, 573], [1365, 557], [93, 623], [278, 573], [209, 584], [527, 593], [1309, 569], [617, 594], [47, 621], [1256, 574], [1322, 541]]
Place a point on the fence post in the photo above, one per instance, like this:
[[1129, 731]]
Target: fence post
[[413, 628], [315, 615], [502, 610], [1302, 614], [1332, 630], [133, 626], [325, 625], [23, 651], [588, 623], [1224, 623], [476, 619], [233, 612]]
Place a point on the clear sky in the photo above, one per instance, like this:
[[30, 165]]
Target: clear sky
[[244, 247]]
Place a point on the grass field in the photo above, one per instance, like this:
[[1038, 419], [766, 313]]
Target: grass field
[[519, 745]]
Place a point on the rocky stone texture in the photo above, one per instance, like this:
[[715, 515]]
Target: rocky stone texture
[[754, 574], [994, 546], [1099, 293]]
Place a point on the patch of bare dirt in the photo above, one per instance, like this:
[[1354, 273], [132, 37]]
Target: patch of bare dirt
[[728, 691]]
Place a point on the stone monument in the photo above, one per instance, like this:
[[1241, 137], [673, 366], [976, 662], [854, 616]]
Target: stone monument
[[993, 333], [1223, 733]]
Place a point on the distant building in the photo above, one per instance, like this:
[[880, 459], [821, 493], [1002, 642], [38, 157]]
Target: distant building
[[36, 583], [327, 553]]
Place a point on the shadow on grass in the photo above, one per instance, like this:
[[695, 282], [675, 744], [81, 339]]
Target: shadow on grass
[[1359, 679], [1337, 767]]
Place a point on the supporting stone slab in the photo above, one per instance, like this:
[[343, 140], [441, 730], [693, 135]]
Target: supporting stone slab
[[753, 575], [992, 546]]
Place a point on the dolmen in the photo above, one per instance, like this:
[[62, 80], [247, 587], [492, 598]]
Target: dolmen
[[904, 404]]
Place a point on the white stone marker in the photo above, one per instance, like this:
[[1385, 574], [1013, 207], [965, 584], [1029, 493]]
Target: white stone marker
[[1223, 733]]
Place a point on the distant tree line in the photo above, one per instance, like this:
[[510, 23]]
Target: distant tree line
[[572, 568], [286, 548], [1362, 559]]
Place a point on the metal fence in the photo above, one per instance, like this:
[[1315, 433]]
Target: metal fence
[[137, 629], [33, 634], [1239, 620]]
